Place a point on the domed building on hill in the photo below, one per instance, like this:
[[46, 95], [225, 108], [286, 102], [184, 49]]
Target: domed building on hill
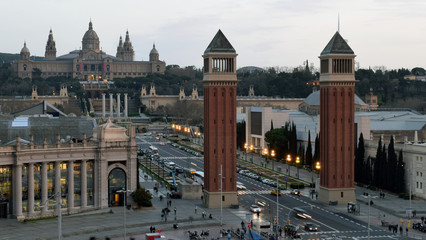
[[89, 63]]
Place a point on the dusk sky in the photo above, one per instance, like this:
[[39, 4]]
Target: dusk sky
[[264, 33]]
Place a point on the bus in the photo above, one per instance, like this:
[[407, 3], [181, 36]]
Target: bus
[[153, 150], [189, 173]]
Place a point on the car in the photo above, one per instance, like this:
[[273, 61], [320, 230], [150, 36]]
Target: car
[[301, 213], [162, 143], [295, 192], [274, 192], [178, 170], [311, 227], [240, 186], [255, 208]]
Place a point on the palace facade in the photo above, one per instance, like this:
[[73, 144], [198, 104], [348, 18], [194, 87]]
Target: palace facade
[[89, 63]]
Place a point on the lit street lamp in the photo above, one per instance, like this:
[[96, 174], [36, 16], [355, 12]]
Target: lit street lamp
[[288, 168], [245, 148], [297, 165], [265, 152], [251, 150], [273, 156]]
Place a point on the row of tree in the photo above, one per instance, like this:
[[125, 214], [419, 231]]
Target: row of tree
[[385, 171]]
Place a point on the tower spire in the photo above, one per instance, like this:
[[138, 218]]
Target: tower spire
[[338, 22]]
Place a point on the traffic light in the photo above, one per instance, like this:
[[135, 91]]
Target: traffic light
[[288, 221]]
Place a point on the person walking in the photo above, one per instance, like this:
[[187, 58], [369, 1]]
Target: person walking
[[175, 210], [195, 210]]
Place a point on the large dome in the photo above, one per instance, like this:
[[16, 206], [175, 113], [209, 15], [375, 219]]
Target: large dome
[[90, 40], [90, 34]]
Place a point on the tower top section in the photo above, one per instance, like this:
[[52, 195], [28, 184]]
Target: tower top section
[[337, 63], [219, 44], [220, 62], [337, 45]]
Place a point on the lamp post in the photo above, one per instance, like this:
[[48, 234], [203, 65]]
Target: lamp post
[[245, 149], [265, 152], [124, 209], [288, 168], [273, 156], [251, 150], [297, 165]]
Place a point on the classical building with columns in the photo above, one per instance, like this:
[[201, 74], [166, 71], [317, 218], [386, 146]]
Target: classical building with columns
[[87, 173], [89, 63]]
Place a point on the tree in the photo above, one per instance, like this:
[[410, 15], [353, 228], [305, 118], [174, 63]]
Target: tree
[[241, 134], [309, 160], [400, 177], [278, 139], [359, 160], [376, 164], [272, 124], [392, 166], [142, 197], [316, 157]]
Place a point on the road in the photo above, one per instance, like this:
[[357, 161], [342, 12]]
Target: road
[[329, 223]]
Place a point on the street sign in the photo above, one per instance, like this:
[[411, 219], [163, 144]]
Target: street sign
[[408, 224], [249, 224], [275, 220]]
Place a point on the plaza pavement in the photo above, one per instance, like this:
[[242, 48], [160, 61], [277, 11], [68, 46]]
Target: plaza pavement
[[110, 222]]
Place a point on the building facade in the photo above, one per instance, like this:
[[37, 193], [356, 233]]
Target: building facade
[[84, 175], [89, 63], [220, 134], [337, 110]]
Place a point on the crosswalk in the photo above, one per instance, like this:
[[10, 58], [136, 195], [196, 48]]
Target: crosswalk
[[247, 192], [183, 158]]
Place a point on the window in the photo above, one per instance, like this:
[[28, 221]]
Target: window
[[25, 67], [324, 66]]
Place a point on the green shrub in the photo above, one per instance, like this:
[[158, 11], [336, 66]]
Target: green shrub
[[142, 197], [297, 185]]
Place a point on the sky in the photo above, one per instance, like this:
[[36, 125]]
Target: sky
[[265, 33]]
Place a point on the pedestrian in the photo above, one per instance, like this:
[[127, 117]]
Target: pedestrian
[[195, 210], [229, 236], [242, 224], [175, 210], [150, 229], [406, 231], [316, 196], [400, 229], [203, 214], [414, 213]]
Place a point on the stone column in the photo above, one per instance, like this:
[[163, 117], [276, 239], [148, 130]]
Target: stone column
[[118, 105], [58, 178], [30, 188], [44, 187], [17, 190], [110, 105], [83, 186], [70, 185], [126, 109], [103, 105]]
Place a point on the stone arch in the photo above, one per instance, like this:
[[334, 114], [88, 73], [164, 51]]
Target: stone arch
[[117, 180]]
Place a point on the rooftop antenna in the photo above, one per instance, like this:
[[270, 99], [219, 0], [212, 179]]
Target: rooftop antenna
[[338, 22]]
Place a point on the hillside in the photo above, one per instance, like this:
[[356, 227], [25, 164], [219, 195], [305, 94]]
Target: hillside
[[10, 57]]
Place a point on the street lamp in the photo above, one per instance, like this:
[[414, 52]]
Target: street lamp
[[273, 156], [297, 165], [245, 148], [288, 168], [265, 152], [251, 150], [124, 209]]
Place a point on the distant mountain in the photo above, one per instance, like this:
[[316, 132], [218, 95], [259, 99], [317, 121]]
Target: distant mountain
[[10, 57]]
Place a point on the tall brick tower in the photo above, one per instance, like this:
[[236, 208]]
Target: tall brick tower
[[337, 90], [220, 89]]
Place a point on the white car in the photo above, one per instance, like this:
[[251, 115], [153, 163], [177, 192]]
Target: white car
[[240, 186], [255, 208]]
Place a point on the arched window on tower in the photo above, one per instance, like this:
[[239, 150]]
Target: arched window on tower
[[25, 67], [158, 68]]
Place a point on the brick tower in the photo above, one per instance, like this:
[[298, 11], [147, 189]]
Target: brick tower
[[337, 86], [220, 88]]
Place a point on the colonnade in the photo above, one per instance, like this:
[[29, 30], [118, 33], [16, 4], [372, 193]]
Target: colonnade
[[111, 103], [18, 186]]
